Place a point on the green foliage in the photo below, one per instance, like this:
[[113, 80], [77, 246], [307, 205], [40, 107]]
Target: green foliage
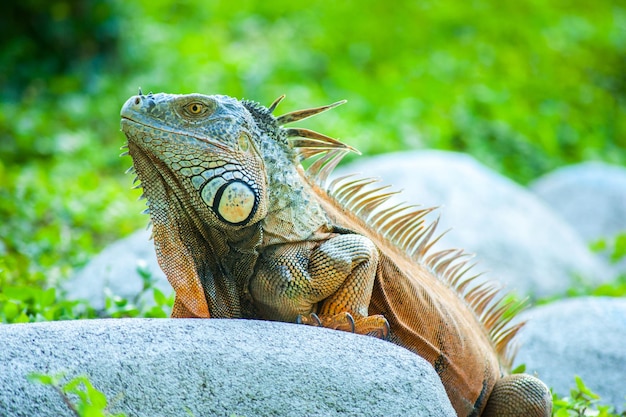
[[524, 86], [45, 43], [23, 304], [582, 402], [614, 247], [79, 394]]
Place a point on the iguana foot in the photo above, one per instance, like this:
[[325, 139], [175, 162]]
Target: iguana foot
[[376, 326], [341, 321], [519, 395]]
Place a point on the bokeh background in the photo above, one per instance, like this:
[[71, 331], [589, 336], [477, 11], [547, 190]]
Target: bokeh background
[[524, 86]]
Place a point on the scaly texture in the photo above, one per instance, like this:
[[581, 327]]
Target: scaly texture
[[243, 231]]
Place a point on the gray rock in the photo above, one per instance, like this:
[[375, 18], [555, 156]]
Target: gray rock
[[216, 367], [578, 336], [116, 268], [590, 196], [517, 239]]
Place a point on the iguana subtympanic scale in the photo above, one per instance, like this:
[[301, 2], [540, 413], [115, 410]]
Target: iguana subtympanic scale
[[243, 231]]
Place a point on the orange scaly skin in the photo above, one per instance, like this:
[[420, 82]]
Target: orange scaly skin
[[242, 231]]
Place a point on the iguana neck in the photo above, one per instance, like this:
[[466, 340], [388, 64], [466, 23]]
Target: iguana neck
[[294, 213], [223, 260]]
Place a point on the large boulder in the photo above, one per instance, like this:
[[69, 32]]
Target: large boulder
[[591, 197], [165, 367], [578, 336], [517, 238]]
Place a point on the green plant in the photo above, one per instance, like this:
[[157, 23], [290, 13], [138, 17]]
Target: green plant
[[21, 304], [614, 247], [582, 402], [79, 394]]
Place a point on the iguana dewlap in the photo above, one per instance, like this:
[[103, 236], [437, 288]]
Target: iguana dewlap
[[243, 231]]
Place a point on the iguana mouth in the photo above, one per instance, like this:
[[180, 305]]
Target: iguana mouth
[[209, 141]]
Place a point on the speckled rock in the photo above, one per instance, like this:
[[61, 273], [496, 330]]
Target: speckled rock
[[216, 367]]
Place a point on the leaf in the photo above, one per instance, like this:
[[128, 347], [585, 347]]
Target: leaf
[[97, 398], [159, 297], [582, 388], [619, 250], [519, 369], [41, 378], [598, 246], [10, 310], [47, 297]]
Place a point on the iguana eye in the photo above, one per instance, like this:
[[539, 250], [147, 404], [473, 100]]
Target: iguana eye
[[195, 108], [243, 141]]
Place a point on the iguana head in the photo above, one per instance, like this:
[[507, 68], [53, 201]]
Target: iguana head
[[217, 153], [207, 149]]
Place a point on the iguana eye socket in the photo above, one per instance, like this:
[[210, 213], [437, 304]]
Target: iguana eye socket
[[243, 141]]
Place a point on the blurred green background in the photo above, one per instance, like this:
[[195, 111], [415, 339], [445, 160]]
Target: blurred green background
[[524, 86]]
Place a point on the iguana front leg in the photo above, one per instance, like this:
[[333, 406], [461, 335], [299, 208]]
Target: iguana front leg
[[333, 279]]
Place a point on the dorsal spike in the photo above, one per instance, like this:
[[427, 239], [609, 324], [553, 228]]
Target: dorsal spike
[[294, 116], [321, 169], [336, 183], [397, 225], [380, 219], [402, 227], [316, 140], [349, 190], [375, 202], [275, 104], [363, 197]]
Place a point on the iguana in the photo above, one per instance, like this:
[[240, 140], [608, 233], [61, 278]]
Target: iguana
[[242, 230]]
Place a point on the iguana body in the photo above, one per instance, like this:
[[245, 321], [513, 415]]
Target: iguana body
[[242, 231]]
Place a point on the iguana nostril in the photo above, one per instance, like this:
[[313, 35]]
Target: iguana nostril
[[137, 100]]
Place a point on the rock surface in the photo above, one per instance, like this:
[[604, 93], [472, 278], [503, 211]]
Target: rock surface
[[578, 336], [518, 240], [216, 367], [590, 196]]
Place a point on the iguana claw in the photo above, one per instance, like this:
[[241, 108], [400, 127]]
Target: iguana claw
[[375, 326], [310, 320]]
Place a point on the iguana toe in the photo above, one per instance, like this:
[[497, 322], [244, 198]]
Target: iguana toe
[[375, 326], [342, 321]]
